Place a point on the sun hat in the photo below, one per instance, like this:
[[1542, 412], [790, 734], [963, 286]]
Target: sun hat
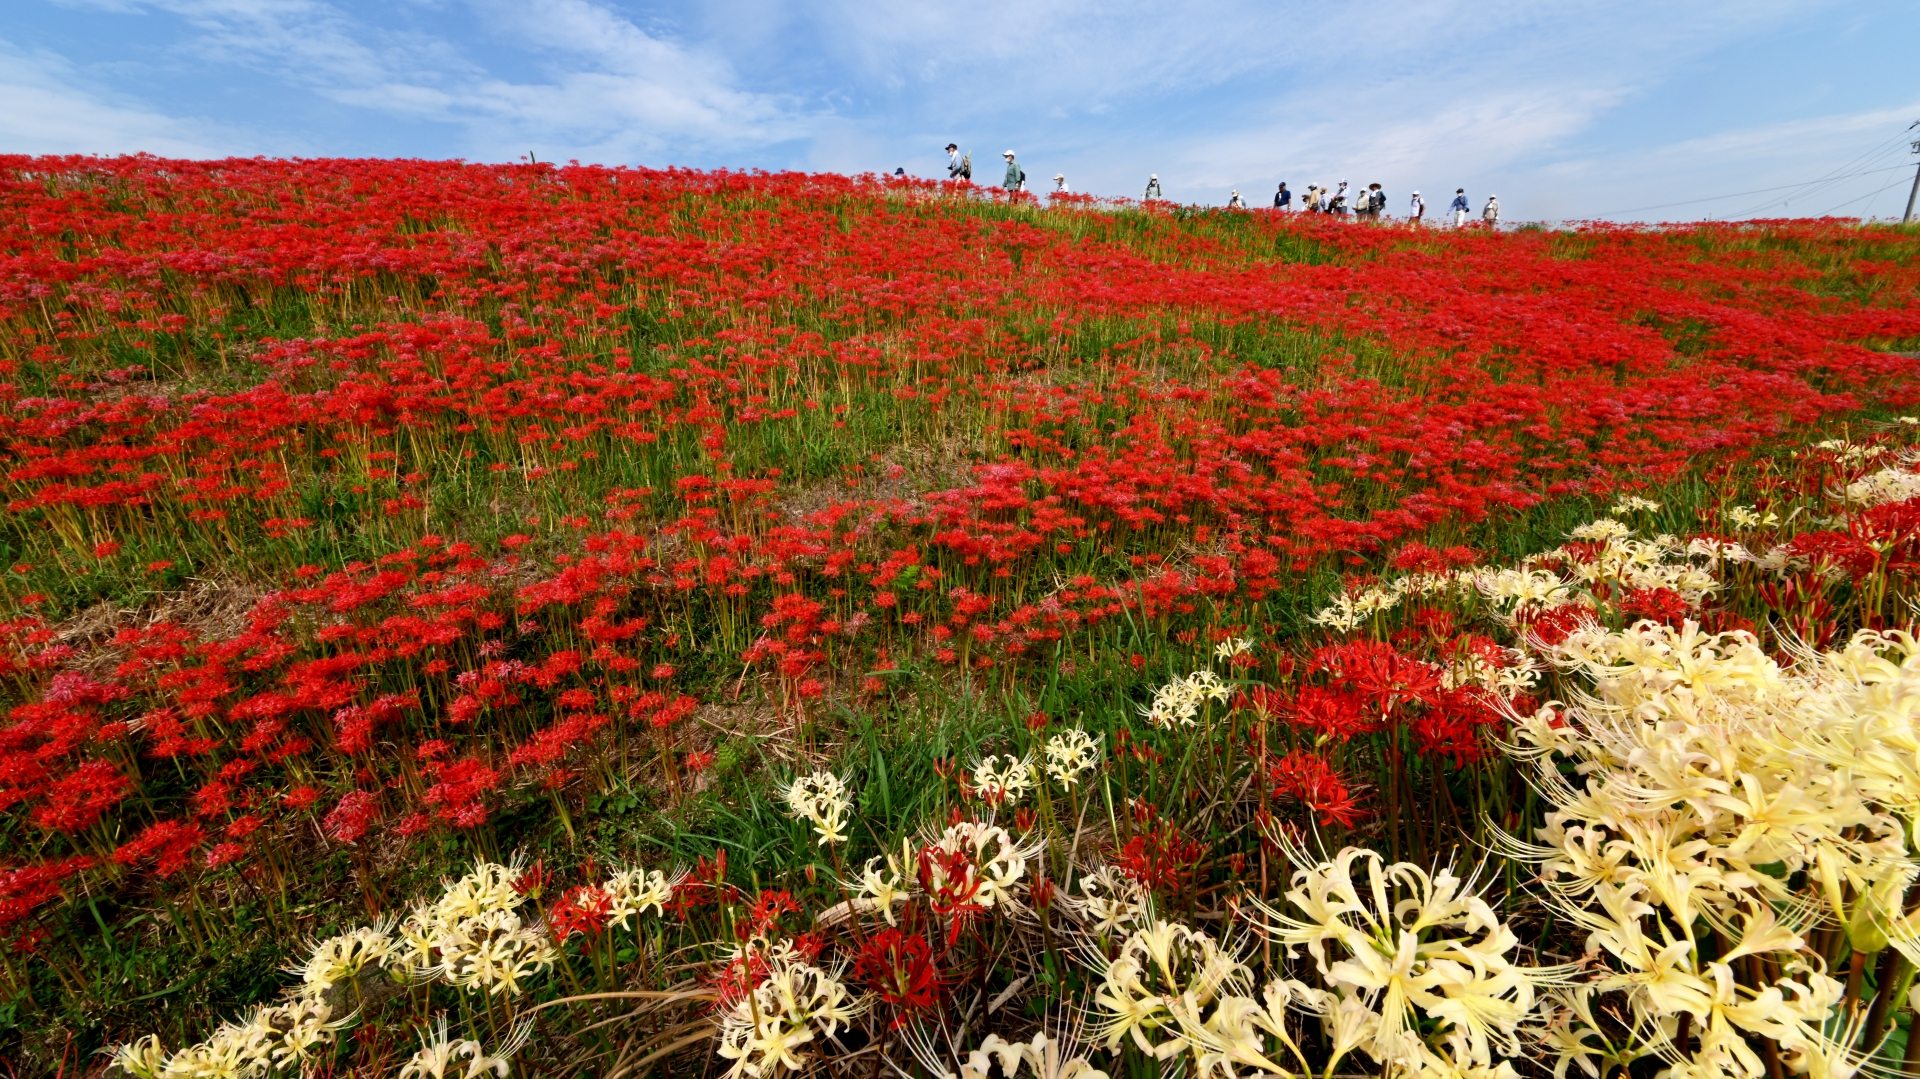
[[1008, 153]]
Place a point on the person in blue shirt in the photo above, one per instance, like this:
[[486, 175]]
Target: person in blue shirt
[[1459, 207], [1283, 199]]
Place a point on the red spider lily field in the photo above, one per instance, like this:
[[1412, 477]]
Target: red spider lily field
[[481, 620]]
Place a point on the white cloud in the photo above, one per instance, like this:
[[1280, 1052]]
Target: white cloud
[[1863, 168], [610, 89], [47, 108], [617, 90], [1218, 94]]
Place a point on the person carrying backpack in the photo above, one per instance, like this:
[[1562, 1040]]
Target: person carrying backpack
[[1153, 188], [1283, 199], [958, 169], [1016, 176], [1491, 215], [1337, 205], [1459, 206], [1235, 203]]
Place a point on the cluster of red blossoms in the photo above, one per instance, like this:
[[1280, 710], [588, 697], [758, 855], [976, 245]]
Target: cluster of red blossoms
[[634, 371]]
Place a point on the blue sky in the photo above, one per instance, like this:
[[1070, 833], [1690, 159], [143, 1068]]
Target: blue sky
[[1668, 110]]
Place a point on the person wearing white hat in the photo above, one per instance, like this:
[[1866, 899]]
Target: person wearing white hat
[[1016, 176], [1417, 211], [1060, 183], [1491, 214], [1235, 202], [1153, 188], [1338, 203]]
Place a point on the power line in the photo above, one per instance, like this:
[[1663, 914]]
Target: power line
[[1882, 150], [1756, 191], [1897, 181]]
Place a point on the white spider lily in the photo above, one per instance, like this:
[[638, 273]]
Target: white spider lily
[[1070, 753], [1002, 783], [1231, 647], [822, 800], [442, 1056], [341, 958], [632, 892], [769, 1030]]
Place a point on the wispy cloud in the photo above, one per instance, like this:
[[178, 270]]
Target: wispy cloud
[[1834, 164], [597, 86], [48, 107]]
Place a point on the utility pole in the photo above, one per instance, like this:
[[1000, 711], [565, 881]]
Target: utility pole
[[1907, 218]]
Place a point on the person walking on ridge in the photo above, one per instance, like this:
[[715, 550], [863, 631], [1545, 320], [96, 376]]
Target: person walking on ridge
[[1338, 203], [1491, 214], [1235, 202], [958, 168], [1417, 210], [1016, 176], [1376, 202], [1459, 207], [1060, 184], [1153, 189], [1283, 199]]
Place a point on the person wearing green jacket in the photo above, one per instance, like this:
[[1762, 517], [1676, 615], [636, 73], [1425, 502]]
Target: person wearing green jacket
[[1016, 176]]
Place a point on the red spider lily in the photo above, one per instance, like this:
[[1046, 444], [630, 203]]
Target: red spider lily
[[739, 978], [1662, 605], [764, 917], [1161, 858], [899, 968], [1840, 549], [456, 795], [1553, 625], [533, 880], [581, 909], [1265, 701], [352, 816], [1385, 678], [170, 844], [950, 880], [1310, 779], [1332, 713], [24, 889], [74, 802], [706, 884]]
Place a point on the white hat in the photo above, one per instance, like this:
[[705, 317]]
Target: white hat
[[1006, 153], [1153, 176], [1059, 175], [1416, 192]]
